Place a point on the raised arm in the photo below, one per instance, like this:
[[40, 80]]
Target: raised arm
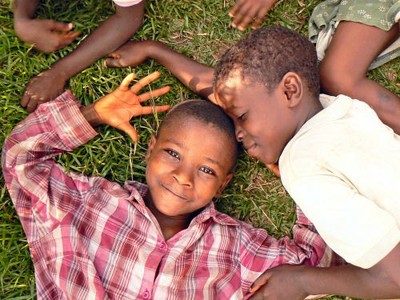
[[111, 34], [34, 179], [194, 75]]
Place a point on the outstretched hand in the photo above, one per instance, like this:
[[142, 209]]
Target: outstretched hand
[[45, 35], [120, 106], [247, 12]]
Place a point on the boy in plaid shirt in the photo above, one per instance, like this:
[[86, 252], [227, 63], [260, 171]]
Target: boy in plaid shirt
[[94, 239]]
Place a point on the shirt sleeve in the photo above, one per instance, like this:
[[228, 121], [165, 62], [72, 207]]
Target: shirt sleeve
[[261, 252], [353, 225], [126, 3], [42, 192]]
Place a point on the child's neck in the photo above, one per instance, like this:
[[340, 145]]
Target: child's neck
[[169, 225]]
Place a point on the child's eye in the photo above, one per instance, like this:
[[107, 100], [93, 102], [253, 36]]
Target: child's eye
[[242, 117], [172, 153], [207, 170]]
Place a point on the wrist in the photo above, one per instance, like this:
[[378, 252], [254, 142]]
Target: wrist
[[91, 115], [154, 49]]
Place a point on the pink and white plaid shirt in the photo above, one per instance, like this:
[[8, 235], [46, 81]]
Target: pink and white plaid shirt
[[94, 239]]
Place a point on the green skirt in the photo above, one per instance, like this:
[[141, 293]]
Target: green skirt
[[379, 13]]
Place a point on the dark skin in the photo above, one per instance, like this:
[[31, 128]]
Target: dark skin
[[380, 281], [250, 12], [343, 69], [197, 77], [169, 176], [111, 34]]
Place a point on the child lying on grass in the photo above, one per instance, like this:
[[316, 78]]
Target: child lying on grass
[[92, 238], [337, 160]]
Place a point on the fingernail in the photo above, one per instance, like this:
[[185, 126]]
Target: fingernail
[[233, 25]]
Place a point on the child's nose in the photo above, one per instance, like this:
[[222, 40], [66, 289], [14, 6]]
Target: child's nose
[[239, 134], [184, 176]]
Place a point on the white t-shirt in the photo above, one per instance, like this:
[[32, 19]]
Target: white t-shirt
[[126, 3], [343, 169]]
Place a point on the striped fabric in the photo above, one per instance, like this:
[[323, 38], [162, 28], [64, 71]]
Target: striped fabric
[[94, 239]]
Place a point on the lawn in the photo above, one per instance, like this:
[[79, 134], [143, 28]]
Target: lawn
[[197, 28]]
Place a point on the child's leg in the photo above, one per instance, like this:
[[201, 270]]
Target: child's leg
[[343, 70]]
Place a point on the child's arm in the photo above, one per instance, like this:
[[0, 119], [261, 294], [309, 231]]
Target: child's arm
[[382, 281], [263, 252], [45, 35], [196, 76], [36, 183], [249, 11], [111, 34]]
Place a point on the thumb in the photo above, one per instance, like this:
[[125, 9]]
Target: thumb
[[112, 63], [260, 281], [62, 27], [131, 131]]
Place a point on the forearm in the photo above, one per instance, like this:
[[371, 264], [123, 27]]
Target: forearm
[[111, 34], [196, 76], [349, 280], [24, 9], [55, 127]]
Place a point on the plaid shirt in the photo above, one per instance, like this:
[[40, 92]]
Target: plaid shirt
[[94, 239]]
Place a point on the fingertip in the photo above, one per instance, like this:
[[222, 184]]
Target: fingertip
[[155, 74]]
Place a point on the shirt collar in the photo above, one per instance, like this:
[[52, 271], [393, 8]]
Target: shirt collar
[[139, 190]]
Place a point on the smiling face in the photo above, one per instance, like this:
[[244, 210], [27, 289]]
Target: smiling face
[[262, 118], [188, 164]]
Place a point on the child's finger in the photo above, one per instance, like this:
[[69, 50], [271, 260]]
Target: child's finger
[[62, 27], [68, 39], [112, 62], [236, 8], [144, 81], [129, 130], [152, 109], [127, 81], [153, 94], [260, 281]]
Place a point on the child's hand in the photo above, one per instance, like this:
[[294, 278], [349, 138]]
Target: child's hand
[[42, 88], [274, 168], [119, 107], [249, 11], [130, 54], [282, 282], [46, 35]]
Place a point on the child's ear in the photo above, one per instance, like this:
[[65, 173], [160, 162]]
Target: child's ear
[[223, 185], [293, 88], [150, 147]]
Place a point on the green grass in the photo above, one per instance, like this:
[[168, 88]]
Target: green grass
[[197, 28]]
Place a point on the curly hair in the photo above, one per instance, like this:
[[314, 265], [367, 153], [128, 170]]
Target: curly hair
[[267, 54]]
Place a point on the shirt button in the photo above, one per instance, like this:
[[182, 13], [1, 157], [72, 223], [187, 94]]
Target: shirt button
[[163, 246], [146, 294]]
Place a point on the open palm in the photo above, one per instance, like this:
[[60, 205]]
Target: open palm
[[120, 106]]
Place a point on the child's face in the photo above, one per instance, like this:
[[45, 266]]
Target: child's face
[[187, 166], [260, 117]]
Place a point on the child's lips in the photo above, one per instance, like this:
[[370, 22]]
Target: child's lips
[[182, 197], [251, 149]]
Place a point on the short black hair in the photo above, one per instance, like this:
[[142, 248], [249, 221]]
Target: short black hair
[[207, 113], [267, 54]]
